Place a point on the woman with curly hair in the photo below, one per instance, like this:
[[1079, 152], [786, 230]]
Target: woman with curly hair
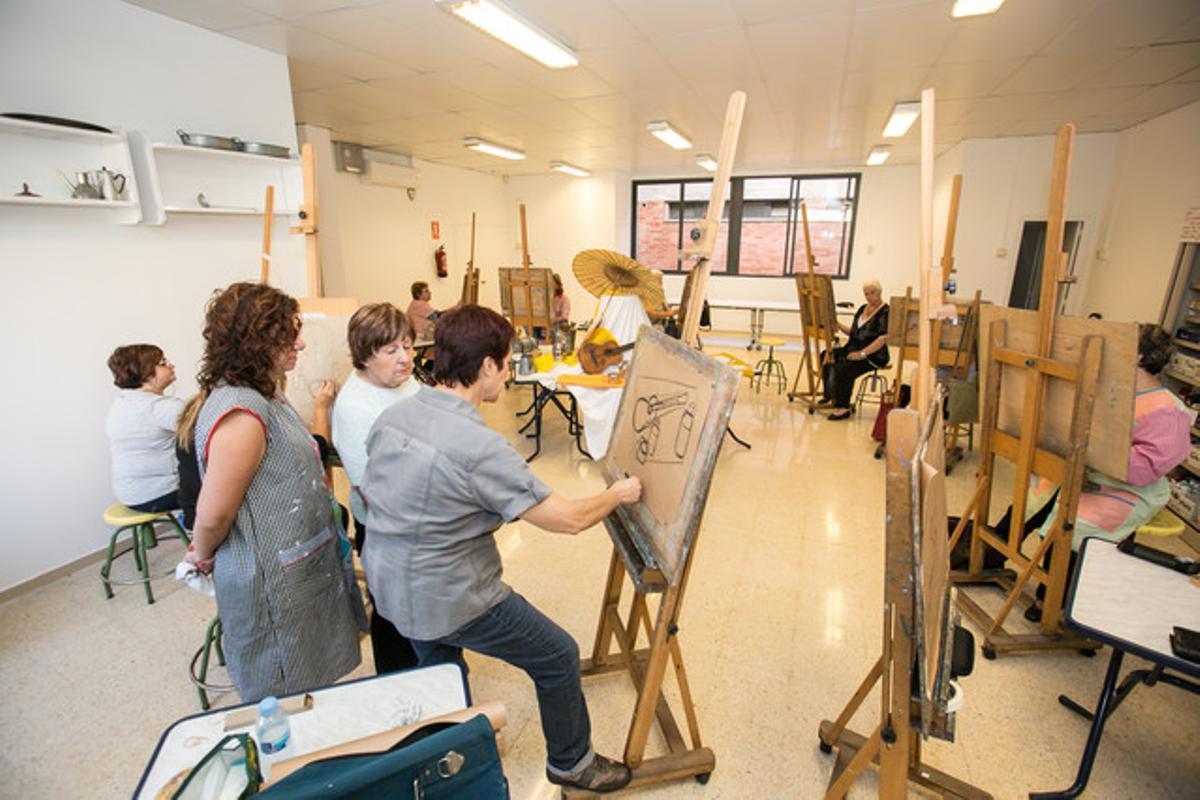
[[265, 522]]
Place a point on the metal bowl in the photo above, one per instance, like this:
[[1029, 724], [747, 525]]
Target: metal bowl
[[261, 149]]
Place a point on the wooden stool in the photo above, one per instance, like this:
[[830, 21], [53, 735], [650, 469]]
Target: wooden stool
[[212, 640], [1164, 523], [878, 385], [770, 368], [142, 538]]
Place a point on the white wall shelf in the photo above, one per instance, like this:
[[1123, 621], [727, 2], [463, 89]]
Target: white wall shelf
[[232, 183], [39, 155]]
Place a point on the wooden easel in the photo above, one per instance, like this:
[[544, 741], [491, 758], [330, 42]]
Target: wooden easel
[[909, 593], [308, 220], [690, 311], [268, 222], [521, 283], [817, 325], [1038, 366], [470, 287]]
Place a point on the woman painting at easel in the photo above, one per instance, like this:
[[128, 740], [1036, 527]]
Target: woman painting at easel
[[866, 350]]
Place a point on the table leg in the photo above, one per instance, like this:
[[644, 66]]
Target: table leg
[[540, 396], [1093, 740], [532, 402], [1146, 676]]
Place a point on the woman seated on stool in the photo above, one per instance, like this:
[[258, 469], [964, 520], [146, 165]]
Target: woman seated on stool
[[439, 484], [1110, 508], [265, 522], [866, 350], [381, 347], [141, 429]]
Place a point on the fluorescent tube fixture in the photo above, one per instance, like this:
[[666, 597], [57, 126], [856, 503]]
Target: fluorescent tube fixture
[[878, 155], [496, 19], [668, 135], [570, 169], [706, 161], [492, 149], [903, 116], [975, 8]]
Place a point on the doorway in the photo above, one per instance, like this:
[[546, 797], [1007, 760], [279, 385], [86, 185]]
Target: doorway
[[1027, 278]]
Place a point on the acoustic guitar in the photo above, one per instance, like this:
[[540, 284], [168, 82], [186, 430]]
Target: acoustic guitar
[[597, 356]]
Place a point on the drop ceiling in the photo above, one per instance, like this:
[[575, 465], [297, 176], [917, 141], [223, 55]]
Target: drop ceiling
[[821, 76]]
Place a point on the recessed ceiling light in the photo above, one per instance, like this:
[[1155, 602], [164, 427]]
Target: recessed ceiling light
[[878, 155], [492, 149], [500, 21], [706, 161], [975, 8], [668, 135], [903, 116], [570, 169]]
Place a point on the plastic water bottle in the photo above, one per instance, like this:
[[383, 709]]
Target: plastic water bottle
[[272, 732]]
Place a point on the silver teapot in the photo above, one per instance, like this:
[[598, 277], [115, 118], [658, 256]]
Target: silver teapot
[[112, 184]]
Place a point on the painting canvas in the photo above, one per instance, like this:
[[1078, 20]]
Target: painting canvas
[[668, 432], [326, 355], [821, 289]]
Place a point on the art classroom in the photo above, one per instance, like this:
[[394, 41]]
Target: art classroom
[[516, 398]]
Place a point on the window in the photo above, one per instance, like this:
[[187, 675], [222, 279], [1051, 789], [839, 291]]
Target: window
[[764, 217]]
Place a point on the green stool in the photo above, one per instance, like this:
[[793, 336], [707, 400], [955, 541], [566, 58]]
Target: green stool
[[142, 537], [769, 369], [199, 675]]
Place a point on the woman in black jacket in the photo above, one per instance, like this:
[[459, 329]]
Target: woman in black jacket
[[866, 350]]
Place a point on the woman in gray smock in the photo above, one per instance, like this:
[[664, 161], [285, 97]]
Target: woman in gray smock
[[265, 519]]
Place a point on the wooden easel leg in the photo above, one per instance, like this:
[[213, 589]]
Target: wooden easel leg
[[866, 754], [612, 596], [651, 688], [830, 737]]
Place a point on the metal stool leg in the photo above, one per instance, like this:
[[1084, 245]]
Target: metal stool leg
[[142, 536], [106, 568], [212, 640]]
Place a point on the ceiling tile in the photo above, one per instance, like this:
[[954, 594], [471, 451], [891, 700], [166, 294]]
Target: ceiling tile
[[1148, 65], [1056, 73], [969, 79], [677, 16], [495, 85], [753, 12], [882, 87], [904, 36], [1188, 77], [1082, 103], [1017, 30], [1115, 24], [722, 53], [1109, 122], [554, 116], [628, 66], [310, 76], [796, 51], [294, 9], [1159, 99], [564, 84], [423, 48], [215, 15], [1007, 109], [431, 93], [579, 25], [296, 42]]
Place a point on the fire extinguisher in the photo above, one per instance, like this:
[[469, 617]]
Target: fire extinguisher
[[439, 257]]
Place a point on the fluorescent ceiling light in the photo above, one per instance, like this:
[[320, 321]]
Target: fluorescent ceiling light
[[903, 116], [570, 169], [878, 155], [496, 19], [492, 149], [975, 8], [668, 135], [706, 161]]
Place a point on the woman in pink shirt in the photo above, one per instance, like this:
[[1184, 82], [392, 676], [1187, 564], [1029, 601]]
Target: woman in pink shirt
[[420, 312]]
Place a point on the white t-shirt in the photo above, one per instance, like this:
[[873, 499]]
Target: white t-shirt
[[141, 432], [357, 407]]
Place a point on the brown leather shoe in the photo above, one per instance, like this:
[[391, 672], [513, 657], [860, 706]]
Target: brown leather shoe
[[602, 775]]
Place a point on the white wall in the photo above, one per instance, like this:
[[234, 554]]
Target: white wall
[[1157, 180], [78, 285]]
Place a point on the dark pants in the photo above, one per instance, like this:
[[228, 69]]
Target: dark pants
[[839, 375], [517, 633], [168, 502], [390, 648]]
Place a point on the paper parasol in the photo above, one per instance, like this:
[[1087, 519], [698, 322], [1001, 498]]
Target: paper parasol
[[604, 272]]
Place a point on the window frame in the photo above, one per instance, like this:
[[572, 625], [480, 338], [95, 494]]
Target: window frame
[[792, 236]]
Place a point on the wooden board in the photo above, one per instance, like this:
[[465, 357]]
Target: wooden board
[[825, 307], [326, 355], [512, 297], [1112, 418], [935, 556], [906, 334], [668, 432]]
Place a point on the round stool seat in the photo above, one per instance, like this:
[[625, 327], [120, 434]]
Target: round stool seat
[[1164, 523], [767, 341], [120, 515]]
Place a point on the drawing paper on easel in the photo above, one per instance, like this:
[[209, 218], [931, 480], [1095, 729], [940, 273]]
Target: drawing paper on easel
[[668, 432], [326, 356]]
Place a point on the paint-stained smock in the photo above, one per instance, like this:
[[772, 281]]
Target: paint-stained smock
[[289, 605]]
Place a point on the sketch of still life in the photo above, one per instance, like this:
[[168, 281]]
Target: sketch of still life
[[663, 418]]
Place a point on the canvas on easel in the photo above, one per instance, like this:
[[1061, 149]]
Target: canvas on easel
[[515, 301], [326, 355]]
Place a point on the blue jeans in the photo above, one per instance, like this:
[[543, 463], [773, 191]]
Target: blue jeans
[[517, 633], [168, 502]]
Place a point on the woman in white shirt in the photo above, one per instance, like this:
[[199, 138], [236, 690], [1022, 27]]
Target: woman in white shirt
[[381, 348], [141, 429]]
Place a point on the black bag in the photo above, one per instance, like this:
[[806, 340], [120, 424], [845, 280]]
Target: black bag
[[457, 760]]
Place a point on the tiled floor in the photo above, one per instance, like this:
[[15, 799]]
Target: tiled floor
[[780, 623]]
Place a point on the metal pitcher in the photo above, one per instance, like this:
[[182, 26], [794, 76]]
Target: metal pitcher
[[112, 184], [84, 186]]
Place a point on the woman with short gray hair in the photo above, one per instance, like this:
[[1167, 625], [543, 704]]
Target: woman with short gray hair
[[865, 350]]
